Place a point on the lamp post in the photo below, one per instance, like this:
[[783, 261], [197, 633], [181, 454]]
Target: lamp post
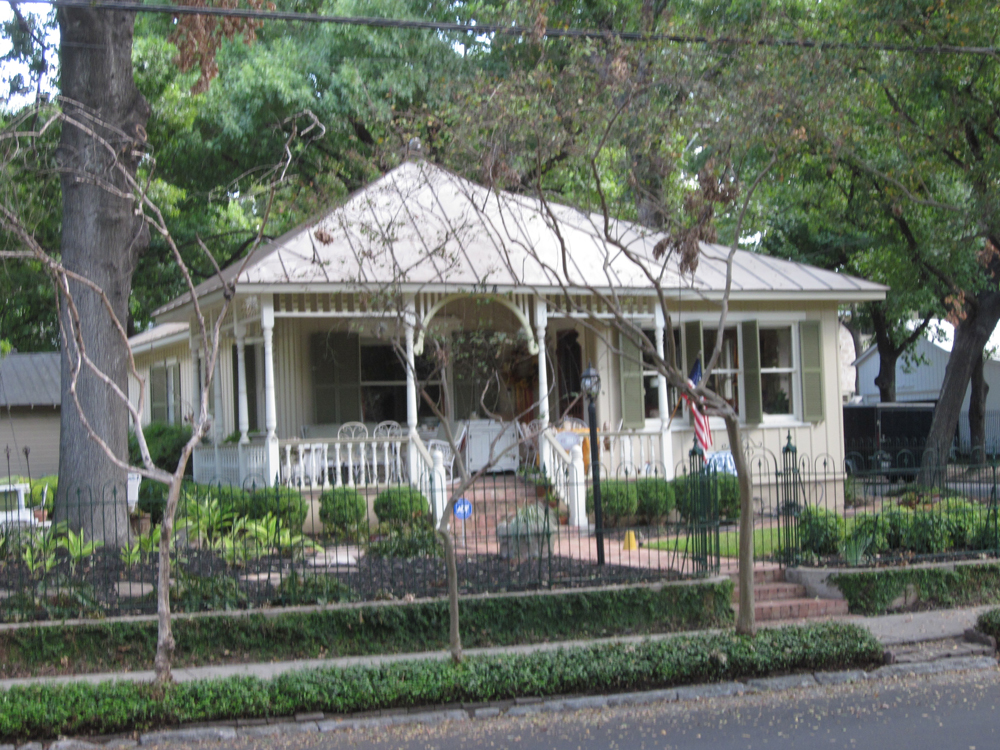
[[590, 383]]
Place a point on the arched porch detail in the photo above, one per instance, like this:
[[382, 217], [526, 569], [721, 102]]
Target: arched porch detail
[[418, 347]]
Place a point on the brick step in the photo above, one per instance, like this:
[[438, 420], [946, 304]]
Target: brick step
[[769, 592], [763, 576], [795, 609]]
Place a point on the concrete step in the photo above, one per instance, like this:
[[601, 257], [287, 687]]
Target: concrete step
[[770, 592], [797, 609]]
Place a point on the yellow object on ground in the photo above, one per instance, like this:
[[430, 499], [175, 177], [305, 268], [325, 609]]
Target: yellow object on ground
[[630, 542]]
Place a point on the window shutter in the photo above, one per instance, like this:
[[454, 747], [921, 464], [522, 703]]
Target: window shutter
[[753, 403], [692, 344], [811, 348], [178, 414], [632, 391], [158, 394]]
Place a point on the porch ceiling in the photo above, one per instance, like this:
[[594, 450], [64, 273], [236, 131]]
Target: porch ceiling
[[422, 227]]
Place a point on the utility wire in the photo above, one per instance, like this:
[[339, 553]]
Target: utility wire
[[512, 30]]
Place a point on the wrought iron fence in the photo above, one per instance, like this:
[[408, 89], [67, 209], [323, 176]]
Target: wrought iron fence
[[248, 547]]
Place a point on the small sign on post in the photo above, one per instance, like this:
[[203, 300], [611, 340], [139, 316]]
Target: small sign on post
[[463, 510]]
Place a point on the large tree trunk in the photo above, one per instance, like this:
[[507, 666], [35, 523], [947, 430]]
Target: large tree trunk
[[745, 620], [101, 240], [977, 410], [971, 335]]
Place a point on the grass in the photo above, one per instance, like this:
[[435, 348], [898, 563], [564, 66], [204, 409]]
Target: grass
[[765, 542]]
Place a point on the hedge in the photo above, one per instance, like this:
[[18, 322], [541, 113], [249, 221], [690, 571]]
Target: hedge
[[362, 630], [989, 623], [51, 710], [871, 592]]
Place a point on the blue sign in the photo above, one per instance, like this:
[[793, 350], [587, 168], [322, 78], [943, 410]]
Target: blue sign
[[463, 509]]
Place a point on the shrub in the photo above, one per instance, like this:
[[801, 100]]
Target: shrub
[[727, 496], [284, 503], [165, 443], [656, 498], [401, 506], [874, 528], [619, 500], [343, 511], [407, 543], [820, 530], [927, 534], [962, 519]]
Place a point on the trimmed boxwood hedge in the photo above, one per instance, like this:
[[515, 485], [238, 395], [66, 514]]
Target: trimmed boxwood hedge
[[371, 629], [43, 711], [401, 505], [871, 592]]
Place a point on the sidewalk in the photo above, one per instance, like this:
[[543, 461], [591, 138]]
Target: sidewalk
[[891, 630]]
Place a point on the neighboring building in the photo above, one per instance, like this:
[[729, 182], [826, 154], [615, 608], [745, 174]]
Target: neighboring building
[[922, 382], [308, 341], [30, 396]]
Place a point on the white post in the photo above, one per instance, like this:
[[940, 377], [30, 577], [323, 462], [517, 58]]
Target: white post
[[196, 366], [440, 497], [241, 401], [541, 322], [171, 385], [577, 489], [410, 319], [270, 409], [666, 456], [217, 414]]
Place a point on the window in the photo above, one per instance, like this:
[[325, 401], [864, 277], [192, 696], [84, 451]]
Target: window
[[165, 394], [650, 377], [383, 384], [725, 377], [776, 371]]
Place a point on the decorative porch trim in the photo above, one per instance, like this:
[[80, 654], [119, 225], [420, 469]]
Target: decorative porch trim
[[522, 318]]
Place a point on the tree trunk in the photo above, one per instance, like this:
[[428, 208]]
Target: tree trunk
[[454, 635], [164, 632], [977, 410], [971, 335], [101, 240], [888, 355], [745, 621]]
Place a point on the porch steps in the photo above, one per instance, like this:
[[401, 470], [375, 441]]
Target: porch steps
[[776, 599]]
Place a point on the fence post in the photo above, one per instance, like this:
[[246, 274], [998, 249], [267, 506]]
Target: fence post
[[788, 503], [700, 491], [577, 486], [438, 496]]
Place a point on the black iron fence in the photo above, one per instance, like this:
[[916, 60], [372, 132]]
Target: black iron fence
[[248, 547]]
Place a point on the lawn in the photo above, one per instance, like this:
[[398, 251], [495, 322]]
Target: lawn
[[765, 543]]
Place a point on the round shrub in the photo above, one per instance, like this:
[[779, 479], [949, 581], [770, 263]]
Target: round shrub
[[401, 505], [343, 510], [619, 500], [656, 499], [165, 442], [285, 503], [928, 533], [727, 495], [876, 529], [820, 530]]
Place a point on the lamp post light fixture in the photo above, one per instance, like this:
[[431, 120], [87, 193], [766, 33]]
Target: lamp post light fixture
[[590, 383]]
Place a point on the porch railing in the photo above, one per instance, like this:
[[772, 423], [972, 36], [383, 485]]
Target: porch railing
[[343, 461], [638, 451], [230, 463]]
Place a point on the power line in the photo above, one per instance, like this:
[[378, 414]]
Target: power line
[[513, 30]]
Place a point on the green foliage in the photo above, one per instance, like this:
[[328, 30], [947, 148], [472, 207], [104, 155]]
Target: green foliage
[[871, 593], [656, 499], [410, 542], [165, 443], [989, 623], [727, 495], [820, 530], [78, 548], [311, 588], [42, 711], [344, 512], [401, 506], [928, 533], [622, 500], [256, 503], [271, 536], [191, 593]]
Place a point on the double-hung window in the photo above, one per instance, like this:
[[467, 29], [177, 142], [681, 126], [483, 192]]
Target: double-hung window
[[165, 393]]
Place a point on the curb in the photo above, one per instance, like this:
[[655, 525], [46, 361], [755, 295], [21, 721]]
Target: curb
[[317, 723]]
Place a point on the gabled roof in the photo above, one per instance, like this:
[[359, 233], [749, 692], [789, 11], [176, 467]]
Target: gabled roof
[[30, 380], [423, 227]]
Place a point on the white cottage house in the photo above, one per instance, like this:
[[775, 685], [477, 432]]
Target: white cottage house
[[424, 255]]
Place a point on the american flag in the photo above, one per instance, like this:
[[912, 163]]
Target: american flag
[[702, 431]]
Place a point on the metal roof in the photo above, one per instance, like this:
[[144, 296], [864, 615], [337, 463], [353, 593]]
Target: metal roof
[[30, 380], [423, 227]]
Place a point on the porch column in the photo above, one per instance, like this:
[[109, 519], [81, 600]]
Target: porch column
[[410, 319], [541, 323], [666, 444], [241, 401], [196, 367], [217, 415], [270, 409]]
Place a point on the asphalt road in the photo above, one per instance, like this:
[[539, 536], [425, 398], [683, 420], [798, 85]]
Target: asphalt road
[[941, 712]]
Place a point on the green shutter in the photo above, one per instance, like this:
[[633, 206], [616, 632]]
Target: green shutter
[[753, 409], [692, 345], [632, 391], [811, 349], [158, 394]]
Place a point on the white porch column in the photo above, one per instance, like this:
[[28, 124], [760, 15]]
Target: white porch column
[[541, 323], [196, 366], [577, 489], [172, 418], [217, 415], [666, 443], [410, 319], [241, 402], [270, 408]]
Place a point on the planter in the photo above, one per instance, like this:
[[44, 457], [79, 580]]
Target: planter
[[141, 523], [528, 534], [41, 514]]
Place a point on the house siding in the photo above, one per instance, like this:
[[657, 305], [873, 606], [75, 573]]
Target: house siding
[[36, 428]]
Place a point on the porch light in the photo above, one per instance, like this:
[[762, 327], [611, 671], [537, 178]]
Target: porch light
[[590, 382]]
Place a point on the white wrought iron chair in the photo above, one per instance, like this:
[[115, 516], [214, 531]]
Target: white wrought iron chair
[[354, 454], [386, 436]]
